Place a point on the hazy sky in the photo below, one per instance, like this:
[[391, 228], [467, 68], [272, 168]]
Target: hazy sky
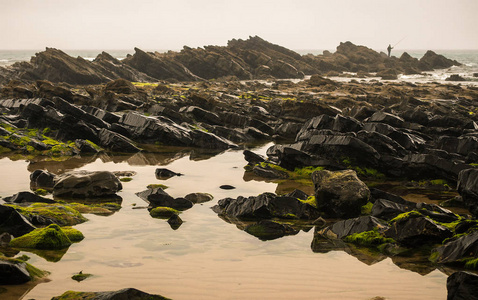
[[299, 24]]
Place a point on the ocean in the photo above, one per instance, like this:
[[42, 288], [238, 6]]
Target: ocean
[[469, 59]]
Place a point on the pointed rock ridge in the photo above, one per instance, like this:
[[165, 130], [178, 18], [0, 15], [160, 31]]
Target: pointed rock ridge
[[159, 66], [57, 66], [437, 61], [115, 69]]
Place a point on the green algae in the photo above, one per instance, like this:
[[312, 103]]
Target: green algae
[[162, 212], [41, 192], [61, 214], [405, 216], [310, 201], [367, 208], [155, 186], [48, 238], [368, 239], [73, 234], [125, 179]]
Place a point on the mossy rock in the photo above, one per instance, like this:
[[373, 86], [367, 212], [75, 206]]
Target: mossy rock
[[97, 209], [125, 179], [310, 200], [368, 239], [73, 234], [155, 186], [162, 212], [48, 238], [33, 271], [60, 214], [81, 276], [128, 293]]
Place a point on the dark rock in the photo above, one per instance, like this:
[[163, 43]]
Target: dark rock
[[266, 205], [253, 158], [28, 197], [417, 230], [344, 228], [196, 198], [436, 61], [298, 194], [201, 115], [128, 293], [116, 142], [386, 118], [267, 171], [209, 140], [269, 230], [85, 146], [387, 210], [85, 184], [462, 286], [162, 173], [227, 187], [455, 77], [41, 179], [340, 193], [458, 249], [13, 222], [346, 124], [13, 273], [158, 197]]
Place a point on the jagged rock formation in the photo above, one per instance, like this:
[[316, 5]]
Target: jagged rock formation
[[253, 58]]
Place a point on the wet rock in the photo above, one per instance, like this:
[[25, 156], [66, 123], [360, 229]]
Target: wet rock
[[162, 173], [116, 142], [455, 77], [269, 230], [13, 222], [41, 179], [387, 210], [85, 184], [13, 273], [48, 238], [268, 171], [468, 189], [197, 198], [462, 286], [266, 206], [201, 115], [457, 250], [416, 230], [23, 197], [128, 293], [253, 158], [317, 80], [158, 197], [348, 227], [387, 118], [161, 212], [437, 61], [340, 193]]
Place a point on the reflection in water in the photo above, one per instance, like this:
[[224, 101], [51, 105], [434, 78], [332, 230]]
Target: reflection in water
[[206, 258]]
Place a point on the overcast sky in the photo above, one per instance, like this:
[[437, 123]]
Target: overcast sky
[[298, 24]]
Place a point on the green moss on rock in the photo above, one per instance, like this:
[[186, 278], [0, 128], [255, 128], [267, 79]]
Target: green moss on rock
[[163, 212], [155, 186], [61, 214], [367, 208], [73, 234], [310, 200], [368, 239], [81, 276], [405, 216], [48, 238]]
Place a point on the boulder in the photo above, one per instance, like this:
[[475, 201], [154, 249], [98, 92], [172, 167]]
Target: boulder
[[120, 86], [462, 286], [266, 206], [85, 184], [455, 77], [437, 61], [456, 250], [415, 230], [13, 273], [387, 210], [339, 194], [268, 171], [48, 238], [197, 198], [13, 222], [253, 158], [158, 197]]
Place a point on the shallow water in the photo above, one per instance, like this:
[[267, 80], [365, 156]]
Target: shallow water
[[206, 258]]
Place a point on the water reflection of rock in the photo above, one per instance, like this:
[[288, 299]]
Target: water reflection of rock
[[284, 186], [268, 229]]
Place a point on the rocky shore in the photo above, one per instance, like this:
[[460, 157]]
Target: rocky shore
[[345, 138]]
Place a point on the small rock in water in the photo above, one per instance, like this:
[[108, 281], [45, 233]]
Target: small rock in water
[[227, 187], [162, 173]]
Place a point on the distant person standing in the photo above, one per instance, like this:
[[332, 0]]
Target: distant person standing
[[389, 49]]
